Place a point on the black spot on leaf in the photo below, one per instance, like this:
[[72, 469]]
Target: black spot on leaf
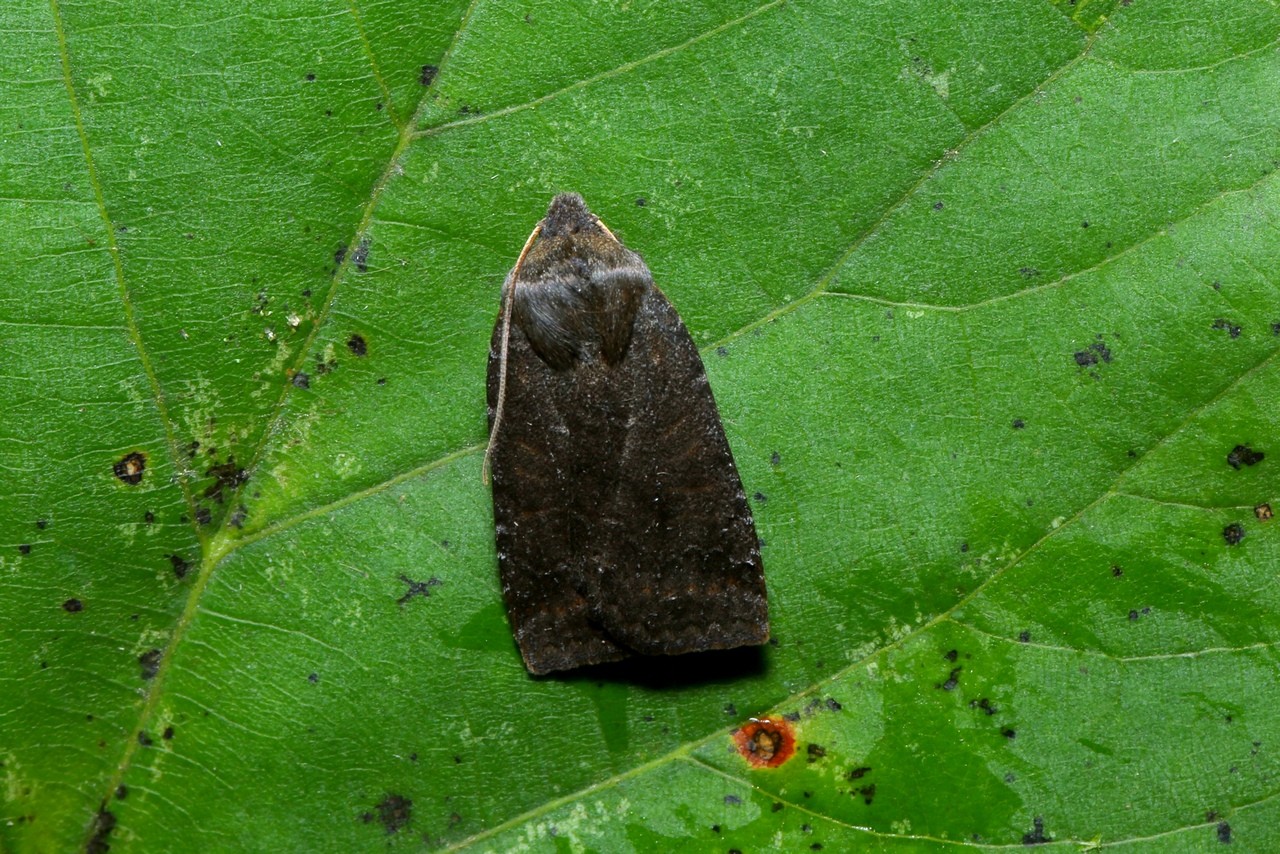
[[1231, 329], [1233, 533], [1036, 836], [1243, 455], [73, 606], [360, 258], [180, 565], [417, 588], [984, 704], [427, 74], [103, 823], [357, 345], [149, 661]]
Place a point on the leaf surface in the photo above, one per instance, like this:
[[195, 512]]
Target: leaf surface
[[989, 304]]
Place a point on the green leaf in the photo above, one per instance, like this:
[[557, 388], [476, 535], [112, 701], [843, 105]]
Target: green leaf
[[989, 303]]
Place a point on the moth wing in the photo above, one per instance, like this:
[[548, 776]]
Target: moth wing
[[542, 505], [682, 572]]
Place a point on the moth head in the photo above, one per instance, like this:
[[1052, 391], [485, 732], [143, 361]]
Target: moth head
[[568, 215]]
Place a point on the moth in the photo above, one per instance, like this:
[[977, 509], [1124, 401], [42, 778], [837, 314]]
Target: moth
[[621, 524]]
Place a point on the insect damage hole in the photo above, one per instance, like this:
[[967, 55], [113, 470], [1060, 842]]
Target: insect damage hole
[[765, 743], [130, 467]]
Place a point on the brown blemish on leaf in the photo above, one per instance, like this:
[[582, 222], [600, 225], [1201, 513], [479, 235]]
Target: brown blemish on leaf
[[393, 812], [765, 742], [227, 476], [1263, 512], [130, 467]]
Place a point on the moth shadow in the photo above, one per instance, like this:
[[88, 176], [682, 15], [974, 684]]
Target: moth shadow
[[674, 671]]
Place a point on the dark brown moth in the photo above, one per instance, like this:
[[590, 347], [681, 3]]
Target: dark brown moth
[[621, 524]]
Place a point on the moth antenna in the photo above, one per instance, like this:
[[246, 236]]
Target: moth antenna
[[508, 298]]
